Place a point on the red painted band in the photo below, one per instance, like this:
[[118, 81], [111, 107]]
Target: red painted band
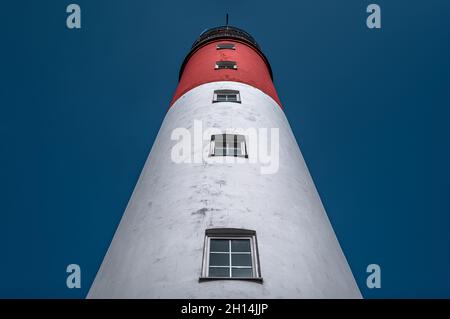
[[251, 68]]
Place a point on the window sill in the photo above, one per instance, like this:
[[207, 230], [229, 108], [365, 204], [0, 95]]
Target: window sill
[[243, 156], [219, 68], [254, 279], [226, 101]]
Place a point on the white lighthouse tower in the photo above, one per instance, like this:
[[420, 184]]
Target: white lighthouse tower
[[234, 213]]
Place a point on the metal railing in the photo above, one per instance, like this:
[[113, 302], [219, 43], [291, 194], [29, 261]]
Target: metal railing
[[224, 31]]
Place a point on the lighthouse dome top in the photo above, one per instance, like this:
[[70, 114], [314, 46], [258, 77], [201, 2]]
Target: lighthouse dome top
[[225, 33]]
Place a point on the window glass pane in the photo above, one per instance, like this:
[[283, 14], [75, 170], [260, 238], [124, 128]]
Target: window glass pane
[[230, 139], [226, 92], [219, 272], [241, 272], [234, 151], [220, 151], [226, 64], [219, 245], [223, 97], [241, 245], [229, 144], [241, 259], [225, 46], [219, 259]]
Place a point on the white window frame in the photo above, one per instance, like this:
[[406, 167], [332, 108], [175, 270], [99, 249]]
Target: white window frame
[[213, 146], [227, 92], [256, 274]]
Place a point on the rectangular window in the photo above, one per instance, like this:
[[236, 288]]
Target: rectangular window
[[226, 96], [228, 145], [230, 253], [226, 65], [224, 46]]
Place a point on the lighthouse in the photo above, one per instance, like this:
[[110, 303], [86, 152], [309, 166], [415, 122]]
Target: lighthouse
[[225, 206]]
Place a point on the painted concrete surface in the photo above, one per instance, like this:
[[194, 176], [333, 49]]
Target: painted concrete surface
[[157, 249]]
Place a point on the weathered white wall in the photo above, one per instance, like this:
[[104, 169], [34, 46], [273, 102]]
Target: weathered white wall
[[157, 249]]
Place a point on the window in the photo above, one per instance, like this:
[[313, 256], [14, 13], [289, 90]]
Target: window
[[228, 145], [223, 46], [226, 65], [230, 254], [226, 96]]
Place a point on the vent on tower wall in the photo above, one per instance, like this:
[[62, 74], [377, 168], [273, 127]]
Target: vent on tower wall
[[230, 253]]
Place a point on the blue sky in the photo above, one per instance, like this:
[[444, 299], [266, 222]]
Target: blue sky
[[80, 109]]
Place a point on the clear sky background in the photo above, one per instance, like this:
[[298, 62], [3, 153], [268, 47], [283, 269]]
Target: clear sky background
[[80, 109]]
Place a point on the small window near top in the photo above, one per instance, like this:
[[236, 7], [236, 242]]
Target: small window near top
[[228, 145], [226, 65], [226, 96], [230, 254], [224, 46]]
